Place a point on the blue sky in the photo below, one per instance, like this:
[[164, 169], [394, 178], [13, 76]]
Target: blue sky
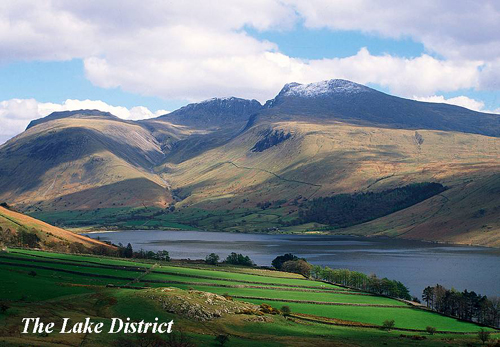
[[60, 80], [138, 61]]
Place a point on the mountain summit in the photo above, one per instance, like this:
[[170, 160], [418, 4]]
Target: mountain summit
[[323, 88], [72, 114], [341, 100], [214, 112]]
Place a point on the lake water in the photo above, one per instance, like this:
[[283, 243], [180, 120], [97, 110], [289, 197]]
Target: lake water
[[416, 264]]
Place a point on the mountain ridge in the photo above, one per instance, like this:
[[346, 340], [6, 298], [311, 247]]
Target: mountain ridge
[[232, 154], [347, 101], [67, 114]]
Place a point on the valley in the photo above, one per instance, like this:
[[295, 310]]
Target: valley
[[235, 165]]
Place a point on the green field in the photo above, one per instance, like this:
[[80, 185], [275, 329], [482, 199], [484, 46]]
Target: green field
[[59, 285], [251, 219]]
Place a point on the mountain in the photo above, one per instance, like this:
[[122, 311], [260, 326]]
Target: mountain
[[235, 165], [17, 229], [357, 104], [88, 114], [82, 160], [211, 122], [214, 112]]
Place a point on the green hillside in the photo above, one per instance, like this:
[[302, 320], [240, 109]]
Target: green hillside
[[222, 300]]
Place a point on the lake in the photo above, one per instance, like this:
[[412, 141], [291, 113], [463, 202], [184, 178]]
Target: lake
[[416, 264]]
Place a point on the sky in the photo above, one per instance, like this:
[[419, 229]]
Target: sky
[[141, 59]]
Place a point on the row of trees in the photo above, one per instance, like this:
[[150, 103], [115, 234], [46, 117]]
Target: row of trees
[[128, 252], [464, 305], [233, 259], [291, 263], [362, 281], [21, 238]]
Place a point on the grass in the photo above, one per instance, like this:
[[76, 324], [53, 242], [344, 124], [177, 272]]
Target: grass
[[404, 318], [279, 293], [61, 294]]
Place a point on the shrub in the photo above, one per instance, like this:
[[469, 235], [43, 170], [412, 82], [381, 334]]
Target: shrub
[[266, 308], [483, 335], [388, 324], [222, 339], [285, 310], [3, 307], [430, 330]]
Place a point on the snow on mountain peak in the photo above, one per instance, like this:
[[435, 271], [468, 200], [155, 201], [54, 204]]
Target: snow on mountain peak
[[323, 88], [228, 98]]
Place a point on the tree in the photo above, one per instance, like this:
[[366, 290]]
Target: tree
[[27, 239], [212, 259], [297, 266], [239, 259], [128, 252], [430, 330], [285, 310], [316, 271], [162, 255], [388, 324], [281, 259], [483, 335], [222, 339]]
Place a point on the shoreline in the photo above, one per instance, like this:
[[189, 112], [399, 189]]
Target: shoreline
[[306, 233]]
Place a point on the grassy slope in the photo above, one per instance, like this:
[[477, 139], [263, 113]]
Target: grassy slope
[[71, 295], [14, 221], [326, 159], [74, 163], [84, 172]]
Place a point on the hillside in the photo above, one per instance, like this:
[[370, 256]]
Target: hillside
[[82, 161], [247, 304], [234, 165], [17, 229], [328, 159]]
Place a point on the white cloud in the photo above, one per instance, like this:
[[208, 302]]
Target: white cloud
[[454, 29], [197, 49], [15, 114], [464, 101]]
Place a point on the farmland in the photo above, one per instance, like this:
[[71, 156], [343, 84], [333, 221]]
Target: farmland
[[66, 285]]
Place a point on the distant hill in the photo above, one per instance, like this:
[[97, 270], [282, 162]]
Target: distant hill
[[17, 229], [219, 163]]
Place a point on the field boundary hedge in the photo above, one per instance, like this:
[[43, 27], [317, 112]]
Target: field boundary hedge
[[317, 302], [371, 326], [141, 269], [140, 280]]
